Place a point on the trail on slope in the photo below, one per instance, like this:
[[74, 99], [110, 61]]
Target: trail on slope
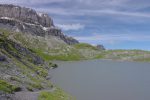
[[29, 95]]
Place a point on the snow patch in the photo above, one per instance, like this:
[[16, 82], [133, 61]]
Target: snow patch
[[40, 14], [45, 15], [29, 9], [24, 27], [16, 7], [45, 28], [17, 30], [29, 24], [7, 18]]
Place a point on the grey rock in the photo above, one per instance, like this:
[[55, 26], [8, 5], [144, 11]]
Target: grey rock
[[2, 58], [101, 47], [25, 14], [22, 52], [48, 77], [27, 20]]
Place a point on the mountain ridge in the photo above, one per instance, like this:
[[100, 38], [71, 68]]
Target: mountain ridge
[[27, 48], [26, 20]]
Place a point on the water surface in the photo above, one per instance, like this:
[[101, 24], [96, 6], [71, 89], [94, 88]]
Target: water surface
[[104, 80]]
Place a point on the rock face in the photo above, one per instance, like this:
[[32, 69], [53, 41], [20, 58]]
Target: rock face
[[26, 15], [20, 52], [101, 47], [27, 20], [2, 58]]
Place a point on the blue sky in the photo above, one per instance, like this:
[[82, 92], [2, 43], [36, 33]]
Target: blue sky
[[117, 24]]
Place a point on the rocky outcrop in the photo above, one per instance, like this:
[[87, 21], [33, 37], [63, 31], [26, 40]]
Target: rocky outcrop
[[19, 52], [27, 20], [2, 58], [100, 47], [26, 15]]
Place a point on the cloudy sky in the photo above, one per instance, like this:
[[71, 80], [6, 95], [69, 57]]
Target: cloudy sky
[[117, 24]]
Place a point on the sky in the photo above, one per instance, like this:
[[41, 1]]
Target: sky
[[117, 24]]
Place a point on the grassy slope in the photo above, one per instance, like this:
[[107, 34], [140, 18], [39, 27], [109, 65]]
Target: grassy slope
[[61, 51], [84, 46], [58, 94], [42, 48], [23, 64], [58, 51], [7, 87], [17, 73], [128, 55], [80, 51]]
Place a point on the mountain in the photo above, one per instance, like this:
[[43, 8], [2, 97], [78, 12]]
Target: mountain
[[29, 41], [28, 21]]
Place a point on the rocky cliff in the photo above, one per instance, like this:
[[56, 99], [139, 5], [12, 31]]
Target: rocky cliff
[[27, 20], [25, 15]]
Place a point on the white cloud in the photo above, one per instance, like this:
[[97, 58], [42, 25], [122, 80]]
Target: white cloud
[[115, 12], [113, 38], [83, 7], [62, 11], [103, 12], [30, 2], [67, 27]]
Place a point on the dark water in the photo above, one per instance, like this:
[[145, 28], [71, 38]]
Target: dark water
[[104, 80]]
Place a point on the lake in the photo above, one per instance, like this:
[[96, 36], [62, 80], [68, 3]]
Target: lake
[[103, 79]]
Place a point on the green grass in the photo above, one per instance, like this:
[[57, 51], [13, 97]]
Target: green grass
[[5, 32], [85, 46], [67, 56], [34, 75], [27, 68], [7, 87], [100, 56], [129, 55], [55, 95]]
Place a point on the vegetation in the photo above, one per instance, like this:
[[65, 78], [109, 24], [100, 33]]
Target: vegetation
[[85, 46], [7, 87], [22, 68], [23, 62], [20, 50], [66, 56], [128, 55], [55, 95]]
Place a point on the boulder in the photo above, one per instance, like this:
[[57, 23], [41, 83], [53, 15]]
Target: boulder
[[100, 47], [2, 58]]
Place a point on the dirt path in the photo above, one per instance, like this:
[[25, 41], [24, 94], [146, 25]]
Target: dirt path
[[26, 96], [29, 95]]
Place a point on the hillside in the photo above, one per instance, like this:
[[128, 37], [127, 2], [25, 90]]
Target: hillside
[[125, 55], [29, 41], [25, 37], [28, 21]]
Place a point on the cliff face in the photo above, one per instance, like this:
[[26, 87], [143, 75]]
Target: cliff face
[[27, 20], [26, 15], [100, 47]]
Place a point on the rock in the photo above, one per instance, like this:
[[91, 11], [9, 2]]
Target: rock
[[48, 77], [100, 47], [54, 66], [22, 52], [7, 77], [2, 58], [26, 20], [1, 92], [25, 14], [33, 75]]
